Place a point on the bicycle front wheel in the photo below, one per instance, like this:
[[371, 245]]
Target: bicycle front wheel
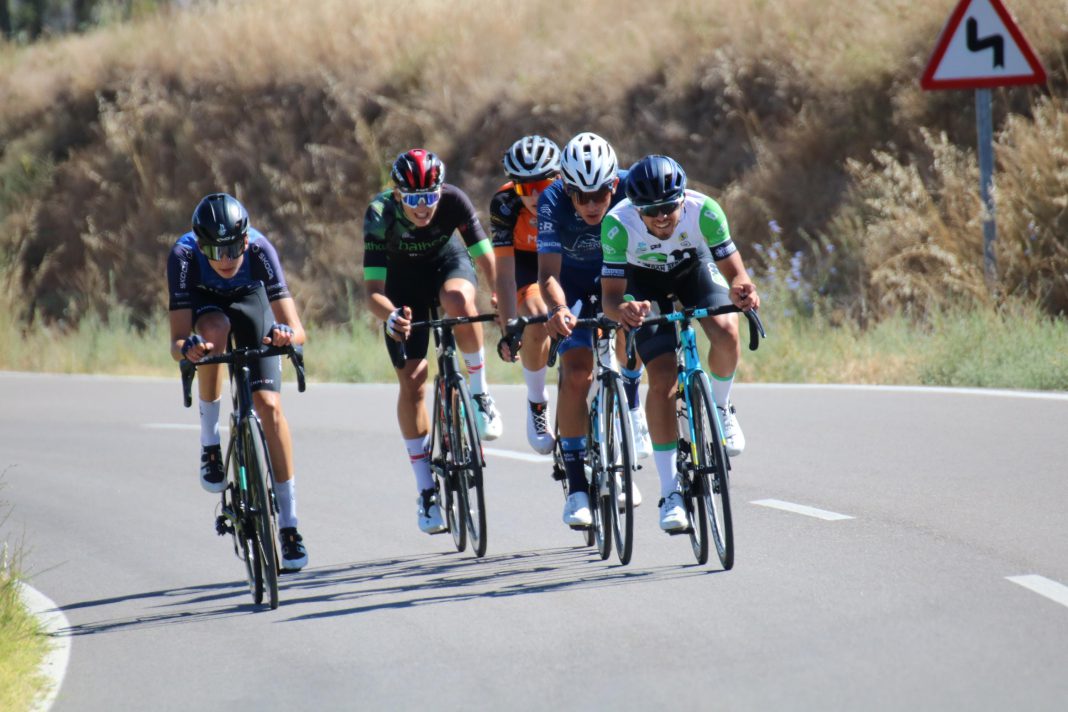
[[261, 506], [710, 467], [619, 464], [466, 451], [602, 496]]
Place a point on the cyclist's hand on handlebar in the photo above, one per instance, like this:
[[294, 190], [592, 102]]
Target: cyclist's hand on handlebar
[[744, 296], [399, 324], [561, 323], [196, 348], [279, 335], [508, 347], [632, 314]]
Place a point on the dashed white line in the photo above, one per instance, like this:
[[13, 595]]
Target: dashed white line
[[54, 666], [802, 509], [1043, 586], [516, 455]]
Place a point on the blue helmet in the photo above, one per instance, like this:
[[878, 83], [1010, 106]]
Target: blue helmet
[[654, 180]]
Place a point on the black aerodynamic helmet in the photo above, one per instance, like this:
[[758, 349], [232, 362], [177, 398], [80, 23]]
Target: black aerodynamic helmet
[[417, 171], [220, 223], [656, 180], [531, 158]]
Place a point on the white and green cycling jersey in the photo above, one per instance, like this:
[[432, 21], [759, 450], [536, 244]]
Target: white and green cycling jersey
[[701, 235]]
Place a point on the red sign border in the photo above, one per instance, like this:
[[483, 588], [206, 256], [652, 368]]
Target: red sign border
[[930, 83]]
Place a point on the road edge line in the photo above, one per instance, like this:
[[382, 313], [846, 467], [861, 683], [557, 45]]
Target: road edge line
[[53, 622]]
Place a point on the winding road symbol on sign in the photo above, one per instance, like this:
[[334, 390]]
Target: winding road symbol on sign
[[977, 44]]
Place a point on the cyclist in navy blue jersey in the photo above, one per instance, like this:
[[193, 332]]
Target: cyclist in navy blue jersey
[[570, 212], [412, 259], [225, 280]]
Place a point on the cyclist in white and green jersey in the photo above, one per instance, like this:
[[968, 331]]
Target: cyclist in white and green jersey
[[665, 244]]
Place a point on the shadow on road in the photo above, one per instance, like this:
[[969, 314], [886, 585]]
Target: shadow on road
[[396, 582]]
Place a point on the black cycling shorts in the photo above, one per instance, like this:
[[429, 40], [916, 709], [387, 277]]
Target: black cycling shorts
[[697, 285], [416, 285], [251, 318]]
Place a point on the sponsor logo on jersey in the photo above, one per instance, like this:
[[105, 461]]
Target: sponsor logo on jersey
[[545, 227], [613, 232], [258, 251]]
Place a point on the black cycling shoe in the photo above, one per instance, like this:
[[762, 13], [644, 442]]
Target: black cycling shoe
[[212, 474], [294, 555]]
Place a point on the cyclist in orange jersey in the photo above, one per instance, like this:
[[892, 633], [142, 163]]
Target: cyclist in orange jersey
[[532, 163]]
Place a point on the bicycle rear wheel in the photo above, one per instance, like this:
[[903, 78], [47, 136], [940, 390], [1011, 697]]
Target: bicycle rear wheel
[[619, 463], [711, 467], [601, 495], [466, 451], [258, 471]]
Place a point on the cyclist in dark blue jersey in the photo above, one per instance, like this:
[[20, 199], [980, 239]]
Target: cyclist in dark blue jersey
[[570, 212], [225, 279]]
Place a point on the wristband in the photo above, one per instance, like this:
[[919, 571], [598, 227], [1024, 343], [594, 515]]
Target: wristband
[[557, 308]]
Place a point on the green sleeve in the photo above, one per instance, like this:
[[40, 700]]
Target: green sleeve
[[614, 238], [480, 248], [713, 223]]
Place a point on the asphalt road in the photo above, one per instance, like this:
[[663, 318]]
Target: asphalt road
[[909, 603]]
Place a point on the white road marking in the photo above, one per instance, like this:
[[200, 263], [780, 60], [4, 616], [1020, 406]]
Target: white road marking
[[802, 509], [515, 455], [54, 665], [1043, 586]]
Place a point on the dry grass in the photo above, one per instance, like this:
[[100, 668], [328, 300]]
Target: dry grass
[[802, 112]]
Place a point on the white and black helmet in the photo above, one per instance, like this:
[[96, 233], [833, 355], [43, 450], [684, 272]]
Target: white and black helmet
[[588, 163], [532, 158]]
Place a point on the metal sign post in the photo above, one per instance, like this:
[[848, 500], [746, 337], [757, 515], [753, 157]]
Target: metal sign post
[[979, 48]]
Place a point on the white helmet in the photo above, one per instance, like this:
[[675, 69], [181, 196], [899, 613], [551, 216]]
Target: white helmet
[[532, 158], [588, 163]]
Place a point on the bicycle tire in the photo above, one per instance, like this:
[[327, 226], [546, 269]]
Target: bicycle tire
[[467, 457], [448, 497], [692, 482], [258, 469], [617, 449], [244, 530], [601, 502], [712, 468]]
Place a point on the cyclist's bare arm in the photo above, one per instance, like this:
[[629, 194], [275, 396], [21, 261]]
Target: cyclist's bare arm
[[181, 327], [380, 304], [553, 293], [505, 285], [743, 292], [285, 312], [488, 266]]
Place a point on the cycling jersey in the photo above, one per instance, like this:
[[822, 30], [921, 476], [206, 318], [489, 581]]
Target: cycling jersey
[[702, 234], [188, 269], [561, 230], [514, 227], [390, 239]]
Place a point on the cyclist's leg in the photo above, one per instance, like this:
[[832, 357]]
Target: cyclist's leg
[[707, 288], [534, 354], [213, 326]]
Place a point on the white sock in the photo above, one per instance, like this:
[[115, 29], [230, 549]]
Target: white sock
[[721, 389], [665, 467], [286, 494], [419, 456], [476, 371], [209, 422], [536, 392]]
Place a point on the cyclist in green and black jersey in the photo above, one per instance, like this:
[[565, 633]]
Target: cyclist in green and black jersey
[[412, 260]]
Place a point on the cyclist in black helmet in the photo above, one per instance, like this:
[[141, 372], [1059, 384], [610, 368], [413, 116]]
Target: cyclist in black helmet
[[225, 278], [666, 243]]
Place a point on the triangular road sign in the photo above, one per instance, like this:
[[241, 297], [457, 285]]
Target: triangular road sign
[[981, 47]]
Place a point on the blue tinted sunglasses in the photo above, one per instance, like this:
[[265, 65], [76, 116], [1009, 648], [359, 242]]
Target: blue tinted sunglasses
[[414, 200]]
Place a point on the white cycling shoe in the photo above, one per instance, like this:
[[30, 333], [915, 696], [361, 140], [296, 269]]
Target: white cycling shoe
[[732, 432], [635, 493], [577, 510], [487, 417], [430, 519], [539, 435], [639, 428], [673, 513]]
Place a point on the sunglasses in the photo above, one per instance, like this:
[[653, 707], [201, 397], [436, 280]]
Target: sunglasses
[[597, 196], [414, 200], [531, 187], [655, 211], [217, 253]]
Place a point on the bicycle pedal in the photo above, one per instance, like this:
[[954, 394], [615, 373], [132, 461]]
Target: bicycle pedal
[[677, 532], [580, 527], [222, 528]]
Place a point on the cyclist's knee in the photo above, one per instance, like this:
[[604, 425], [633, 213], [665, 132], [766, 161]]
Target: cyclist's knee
[[214, 327], [412, 380], [458, 302], [535, 333], [577, 378], [662, 375], [268, 405]]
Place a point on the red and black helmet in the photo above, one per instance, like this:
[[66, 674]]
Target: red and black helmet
[[418, 171]]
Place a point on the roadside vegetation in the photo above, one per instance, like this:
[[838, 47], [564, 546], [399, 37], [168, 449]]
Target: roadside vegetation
[[22, 643], [851, 192]]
